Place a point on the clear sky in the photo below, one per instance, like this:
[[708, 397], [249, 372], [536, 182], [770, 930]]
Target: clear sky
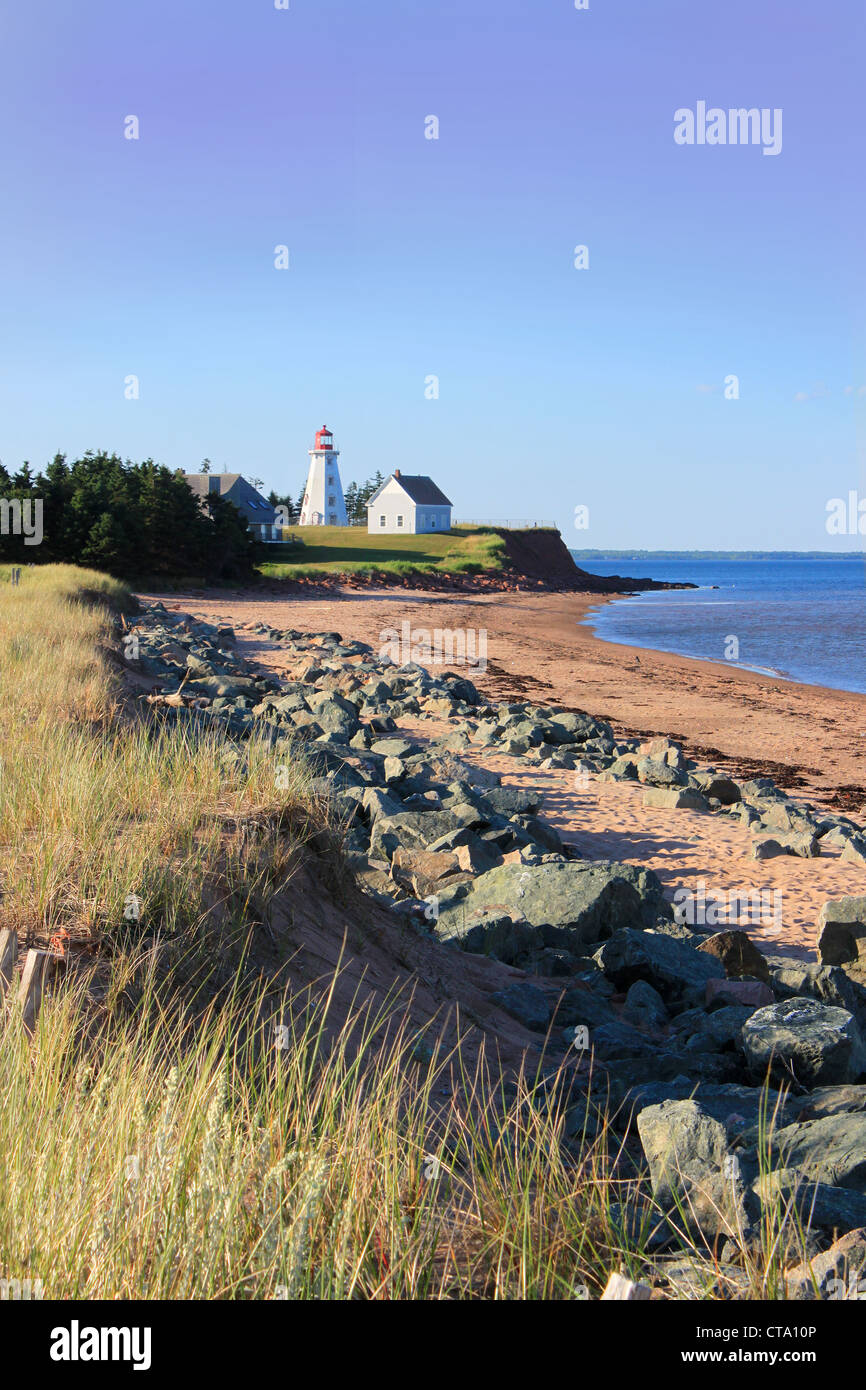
[[411, 257]]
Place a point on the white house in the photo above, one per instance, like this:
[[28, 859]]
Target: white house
[[408, 502], [323, 504]]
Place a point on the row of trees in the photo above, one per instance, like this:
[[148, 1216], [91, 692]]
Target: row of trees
[[128, 519], [357, 496]]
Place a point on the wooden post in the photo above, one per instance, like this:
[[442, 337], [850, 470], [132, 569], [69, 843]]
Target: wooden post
[[618, 1287], [34, 977], [8, 957]]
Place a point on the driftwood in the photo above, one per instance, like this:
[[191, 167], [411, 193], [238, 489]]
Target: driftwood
[[8, 957], [177, 700], [622, 1289]]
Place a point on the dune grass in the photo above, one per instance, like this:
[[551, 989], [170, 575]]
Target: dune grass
[[175, 1129]]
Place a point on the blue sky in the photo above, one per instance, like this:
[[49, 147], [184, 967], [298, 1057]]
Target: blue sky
[[452, 257]]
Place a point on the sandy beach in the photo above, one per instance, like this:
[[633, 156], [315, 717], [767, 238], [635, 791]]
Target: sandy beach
[[807, 738]]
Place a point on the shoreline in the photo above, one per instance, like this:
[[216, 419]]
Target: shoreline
[[541, 653], [540, 646], [771, 672]]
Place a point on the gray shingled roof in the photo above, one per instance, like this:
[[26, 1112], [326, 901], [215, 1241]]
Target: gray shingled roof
[[421, 489], [235, 489]]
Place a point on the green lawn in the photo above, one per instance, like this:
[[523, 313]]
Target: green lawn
[[342, 550]]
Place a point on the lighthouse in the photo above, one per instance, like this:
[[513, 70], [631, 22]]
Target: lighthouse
[[323, 503]]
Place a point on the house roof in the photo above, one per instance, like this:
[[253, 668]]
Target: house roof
[[235, 489], [418, 487]]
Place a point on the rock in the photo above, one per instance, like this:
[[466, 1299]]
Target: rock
[[645, 1006], [815, 1043], [830, 984], [571, 726], [409, 829], [750, 993], [842, 935], [476, 858], [855, 851], [583, 1007], [720, 788], [831, 1150], [675, 798], [837, 1273], [699, 1279], [817, 1205], [694, 1169], [420, 872], [675, 969], [511, 801], [527, 1004], [619, 1039], [623, 768], [571, 902], [659, 774], [768, 849], [394, 747], [738, 954], [492, 933]]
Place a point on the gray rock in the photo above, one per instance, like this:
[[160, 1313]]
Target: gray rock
[[694, 1169], [802, 1039], [527, 1004], [831, 1150], [659, 774], [645, 1006], [493, 933], [842, 935], [572, 902], [394, 747], [675, 798], [675, 969]]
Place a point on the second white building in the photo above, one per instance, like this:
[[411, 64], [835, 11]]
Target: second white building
[[408, 502]]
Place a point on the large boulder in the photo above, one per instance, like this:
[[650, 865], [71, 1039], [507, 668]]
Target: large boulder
[[694, 1169], [659, 774], [814, 1044], [408, 830], [830, 1150], [842, 935], [491, 933], [674, 968], [572, 903]]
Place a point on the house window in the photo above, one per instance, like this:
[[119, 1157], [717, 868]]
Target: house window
[[432, 523], [331, 501], [382, 519], [399, 521]]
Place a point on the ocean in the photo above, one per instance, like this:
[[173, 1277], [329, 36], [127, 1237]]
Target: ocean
[[799, 617]]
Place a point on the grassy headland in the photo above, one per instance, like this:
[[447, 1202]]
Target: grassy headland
[[348, 550]]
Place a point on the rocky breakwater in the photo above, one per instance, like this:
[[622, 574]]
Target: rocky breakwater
[[736, 1080]]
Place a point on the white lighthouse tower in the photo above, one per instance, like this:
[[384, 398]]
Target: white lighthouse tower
[[323, 504]]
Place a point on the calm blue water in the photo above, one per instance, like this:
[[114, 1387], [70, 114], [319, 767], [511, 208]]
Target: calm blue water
[[801, 618]]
